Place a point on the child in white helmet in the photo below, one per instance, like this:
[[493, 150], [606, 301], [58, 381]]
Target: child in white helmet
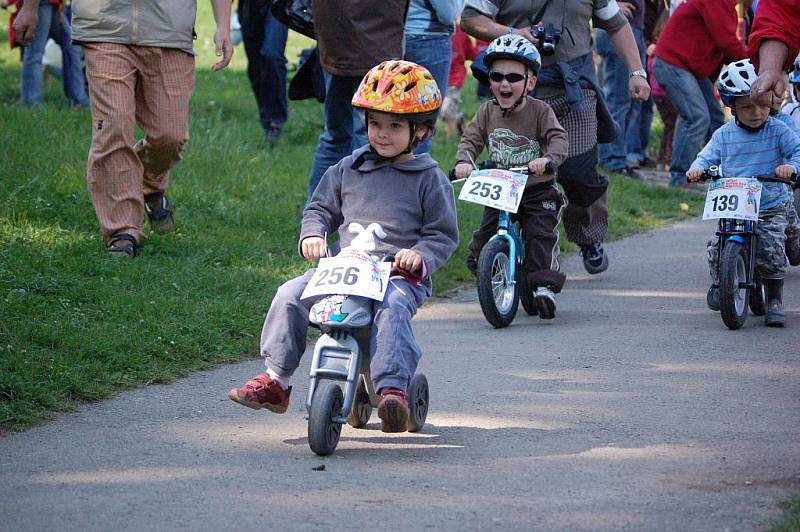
[[792, 107], [517, 130], [754, 143]]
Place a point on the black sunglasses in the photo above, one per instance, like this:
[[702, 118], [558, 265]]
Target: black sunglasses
[[512, 77]]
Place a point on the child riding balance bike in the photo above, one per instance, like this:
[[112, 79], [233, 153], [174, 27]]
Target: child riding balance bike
[[754, 145], [409, 203], [518, 130]]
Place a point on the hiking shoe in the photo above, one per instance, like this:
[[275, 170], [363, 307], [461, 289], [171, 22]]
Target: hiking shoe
[[545, 301], [632, 172], [160, 212], [393, 410], [712, 298], [122, 245], [595, 259], [262, 392]]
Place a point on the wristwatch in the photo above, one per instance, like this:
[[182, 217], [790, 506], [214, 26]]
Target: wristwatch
[[641, 72]]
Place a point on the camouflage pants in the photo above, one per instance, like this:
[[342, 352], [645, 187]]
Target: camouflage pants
[[770, 249]]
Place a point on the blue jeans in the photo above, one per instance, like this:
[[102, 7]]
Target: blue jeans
[[622, 107], [699, 113], [264, 43], [344, 129], [31, 86], [637, 137], [433, 51]]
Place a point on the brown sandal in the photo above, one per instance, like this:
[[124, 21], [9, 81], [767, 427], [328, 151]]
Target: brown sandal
[[122, 245]]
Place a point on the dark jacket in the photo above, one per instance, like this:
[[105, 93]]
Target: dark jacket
[[356, 35]]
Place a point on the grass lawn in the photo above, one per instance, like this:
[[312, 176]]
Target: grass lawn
[[76, 326]]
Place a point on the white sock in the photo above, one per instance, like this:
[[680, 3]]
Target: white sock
[[283, 381]]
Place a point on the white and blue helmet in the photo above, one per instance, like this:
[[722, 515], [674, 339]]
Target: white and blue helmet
[[516, 48], [794, 73], [736, 80]]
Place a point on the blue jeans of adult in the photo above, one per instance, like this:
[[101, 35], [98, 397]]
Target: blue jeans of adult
[[622, 107], [433, 51], [265, 43], [31, 85], [637, 137], [344, 128], [699, 113]]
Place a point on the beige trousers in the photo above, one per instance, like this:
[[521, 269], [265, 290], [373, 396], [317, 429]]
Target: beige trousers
[[134, 85]]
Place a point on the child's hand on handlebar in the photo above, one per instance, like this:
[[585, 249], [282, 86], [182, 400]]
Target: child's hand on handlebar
[[538, 166], [463, 170], [314, 248], [694, 174], [785, 171], [408, 259]]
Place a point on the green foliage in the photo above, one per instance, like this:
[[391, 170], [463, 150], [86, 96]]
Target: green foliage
[[76, 325]]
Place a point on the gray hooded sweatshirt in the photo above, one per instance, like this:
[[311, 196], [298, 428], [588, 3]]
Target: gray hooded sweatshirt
[[412, 201]]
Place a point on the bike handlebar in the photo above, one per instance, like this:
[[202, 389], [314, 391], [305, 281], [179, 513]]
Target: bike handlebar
[[550, 168], [712, 174]]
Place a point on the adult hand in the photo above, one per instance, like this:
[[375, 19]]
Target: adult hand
[[26, 22], [627, 9], [526, 32], [409, 260], [222, 40], [770, 86], [313, 248], [638, 88], [650, 49]]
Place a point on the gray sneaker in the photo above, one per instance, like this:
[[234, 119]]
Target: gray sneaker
[[545, 301]]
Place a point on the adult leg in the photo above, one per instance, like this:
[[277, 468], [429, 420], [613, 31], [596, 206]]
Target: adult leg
[[336, 141], [433, 51], [31, 84], [114, 171], [394, 350], [693, 121], [615, 91], [274, 109], [637, 133], [73, 79], [162, 111], [715, 115]]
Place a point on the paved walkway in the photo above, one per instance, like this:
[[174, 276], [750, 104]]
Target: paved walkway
[[635, 409]]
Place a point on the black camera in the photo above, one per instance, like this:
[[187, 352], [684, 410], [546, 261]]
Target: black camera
[[548, 37]]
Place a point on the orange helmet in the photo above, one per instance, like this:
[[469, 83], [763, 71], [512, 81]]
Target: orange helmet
[[400, 87]]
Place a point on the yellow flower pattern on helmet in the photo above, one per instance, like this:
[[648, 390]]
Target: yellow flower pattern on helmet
[[400, 87]]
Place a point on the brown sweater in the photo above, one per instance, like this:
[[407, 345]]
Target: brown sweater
[[527, 133]]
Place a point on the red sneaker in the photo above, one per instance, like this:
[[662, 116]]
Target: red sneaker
[[262, 392], [393, 410]]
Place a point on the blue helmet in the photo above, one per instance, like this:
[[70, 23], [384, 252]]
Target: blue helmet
[[736, 80], [794, 73], [516, 48]]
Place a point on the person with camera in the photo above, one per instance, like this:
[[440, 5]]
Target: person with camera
[[568, 83]]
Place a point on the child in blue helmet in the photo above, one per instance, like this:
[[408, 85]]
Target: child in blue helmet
[[517, 130], [754, 143]]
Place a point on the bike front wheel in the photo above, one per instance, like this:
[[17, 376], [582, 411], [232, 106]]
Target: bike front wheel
[[323, 432], [733, 300], [497, 291]]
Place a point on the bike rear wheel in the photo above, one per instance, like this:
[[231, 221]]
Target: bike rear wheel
[[497, 293], [733, 271]]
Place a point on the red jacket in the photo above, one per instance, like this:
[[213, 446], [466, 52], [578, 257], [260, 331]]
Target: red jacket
[[776, 20], [463, 50], [700, 37]]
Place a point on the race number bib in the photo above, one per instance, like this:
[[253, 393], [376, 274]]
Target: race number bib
[[500, 189], [733, 198], [352, 272]]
